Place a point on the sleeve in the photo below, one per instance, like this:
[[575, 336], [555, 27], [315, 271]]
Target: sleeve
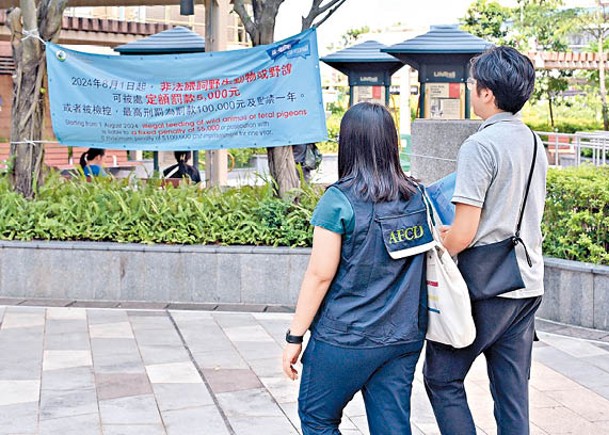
[[475, 172], [334, 212]]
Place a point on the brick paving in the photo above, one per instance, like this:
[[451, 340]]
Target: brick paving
[[81, 369]]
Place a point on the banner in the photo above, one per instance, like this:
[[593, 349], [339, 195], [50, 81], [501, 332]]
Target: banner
[[264, 96]]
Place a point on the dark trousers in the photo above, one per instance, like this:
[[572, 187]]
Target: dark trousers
[[332, 375], [504, 334]]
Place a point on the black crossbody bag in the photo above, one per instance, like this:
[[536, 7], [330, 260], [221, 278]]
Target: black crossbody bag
[[491, 270]]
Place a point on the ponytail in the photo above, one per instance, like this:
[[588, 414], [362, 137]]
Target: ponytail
[[90, 154]]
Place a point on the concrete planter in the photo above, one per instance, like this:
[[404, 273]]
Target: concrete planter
[[159, 273], [576, 293]]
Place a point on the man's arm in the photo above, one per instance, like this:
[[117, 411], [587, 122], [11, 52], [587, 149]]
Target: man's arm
[[460, 234]]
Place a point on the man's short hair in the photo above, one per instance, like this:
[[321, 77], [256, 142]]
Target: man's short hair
[[506, 72]]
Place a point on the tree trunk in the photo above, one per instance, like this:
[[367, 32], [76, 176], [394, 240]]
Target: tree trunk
[[551, 109], [27, 152], [601, 77]]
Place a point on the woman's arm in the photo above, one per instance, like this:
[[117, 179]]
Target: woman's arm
[[460, 234], [325, 257]]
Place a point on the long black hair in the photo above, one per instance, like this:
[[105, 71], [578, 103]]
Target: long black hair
[[368, 151], [90, 154]]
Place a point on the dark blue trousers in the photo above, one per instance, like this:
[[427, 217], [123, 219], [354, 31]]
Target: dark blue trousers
[[332, 375], [504, 334]]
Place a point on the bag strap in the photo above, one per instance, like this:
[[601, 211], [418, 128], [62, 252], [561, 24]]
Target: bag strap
[[516, 239], [526, 192]]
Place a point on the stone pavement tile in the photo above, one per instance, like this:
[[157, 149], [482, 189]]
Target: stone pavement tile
[[284, 390], [234, 320], [111, 330], [231, 380], [545, 379], [541, 399], [600, 361], [130, 410], [15, 392], [585, 403], [146, 313], [602, 391], [601, 427], [70, 334], [249, 403], [536, 430], [18, 319], [197, 420], [482, 411], [576, 369], [116, 355], [262, 425], [72, 425], [361, 423], [66, 313], [250, 333], [68, 379], [158, 337], [421, 412], [19, 419], [170, 397], [66, 359], [575, 332], [189, 316], [174, 373], [117, 385], [164, 354], [560, 420], [291, 412], [133, 429], [573, 347], [100, 316], [253, 350], [66, 403], [219, 360], [268, 367]]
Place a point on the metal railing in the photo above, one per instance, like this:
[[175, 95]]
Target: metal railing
[[566, 149]]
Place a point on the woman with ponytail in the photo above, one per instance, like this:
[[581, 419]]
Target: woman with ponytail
[[91, 162]]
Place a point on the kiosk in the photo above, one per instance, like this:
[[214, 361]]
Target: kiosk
[[368, 69], [441, 57]]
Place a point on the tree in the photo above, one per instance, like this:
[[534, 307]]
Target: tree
[[260, 25], [596, 24], [537, 25], [543, 26], [488, 20], [27, 152]]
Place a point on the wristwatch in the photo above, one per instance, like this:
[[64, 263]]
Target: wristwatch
[[293, 339]]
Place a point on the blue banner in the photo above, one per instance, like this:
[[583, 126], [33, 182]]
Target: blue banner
[[258, 97]]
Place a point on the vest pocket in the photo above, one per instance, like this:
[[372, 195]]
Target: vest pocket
[[406, 234]]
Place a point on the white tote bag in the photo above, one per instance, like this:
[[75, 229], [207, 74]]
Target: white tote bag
[[449, 306]]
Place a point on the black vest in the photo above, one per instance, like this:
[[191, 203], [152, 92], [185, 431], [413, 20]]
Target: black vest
[[373, 299]]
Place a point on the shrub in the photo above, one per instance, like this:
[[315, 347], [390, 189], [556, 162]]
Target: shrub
[[576, 219], [114, 210]]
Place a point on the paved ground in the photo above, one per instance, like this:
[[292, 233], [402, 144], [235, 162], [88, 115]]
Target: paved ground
[[115, 371]]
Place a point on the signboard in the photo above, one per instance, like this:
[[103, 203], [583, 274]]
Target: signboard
[[444, 100], [259, 97], [370, 94]]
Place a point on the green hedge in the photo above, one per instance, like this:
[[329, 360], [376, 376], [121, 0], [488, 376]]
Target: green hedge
[[576, 221], [113, 210]]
